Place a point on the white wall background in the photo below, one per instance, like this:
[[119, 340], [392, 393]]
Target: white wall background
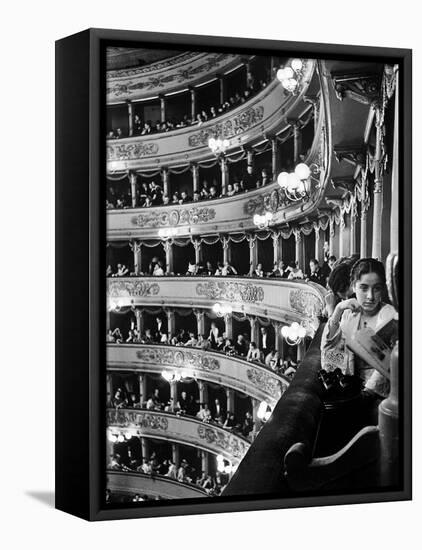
[[28, 32]]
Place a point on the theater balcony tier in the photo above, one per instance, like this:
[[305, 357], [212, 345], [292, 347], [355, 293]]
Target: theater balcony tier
[[275, 299], [172, 75], [131, 483], [252, 379], [267, 113], [178, 429], [227, 214]]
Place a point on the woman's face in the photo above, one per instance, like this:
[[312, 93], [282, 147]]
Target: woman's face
[[369, 290]]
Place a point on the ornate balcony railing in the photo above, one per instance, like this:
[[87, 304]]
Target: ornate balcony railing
[[265, 113], [252, 379], [179, 429], [174, 74], [276, 299], [128, 483]]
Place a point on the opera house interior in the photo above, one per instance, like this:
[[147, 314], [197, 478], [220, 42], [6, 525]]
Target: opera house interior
[[251, 264]]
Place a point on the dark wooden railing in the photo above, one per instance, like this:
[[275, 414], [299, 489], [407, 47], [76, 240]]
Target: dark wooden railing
[[296, 417]]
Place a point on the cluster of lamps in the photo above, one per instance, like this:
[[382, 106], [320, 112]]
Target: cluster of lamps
[[221, 310], [296, 184], [263, 220], [119, 437], [167, 232], [218, 146], [224, 466], [264, 411], [176, 376], [293, 334], [289, 76]]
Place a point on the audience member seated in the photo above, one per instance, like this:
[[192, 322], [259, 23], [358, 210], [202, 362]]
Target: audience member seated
[[254, 353], [204, 413], [240, 346], [316, 274], [258, 271], [272, 360], [294, 271]]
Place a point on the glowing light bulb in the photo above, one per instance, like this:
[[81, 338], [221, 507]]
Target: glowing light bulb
[[302, 171]]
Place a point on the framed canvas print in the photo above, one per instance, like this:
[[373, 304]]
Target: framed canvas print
[[233, 274]]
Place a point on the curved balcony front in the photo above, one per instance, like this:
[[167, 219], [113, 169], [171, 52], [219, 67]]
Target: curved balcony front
[[179, 429], [233, 372], [264, 114], [128, 483], [174, 74], [275, 299]]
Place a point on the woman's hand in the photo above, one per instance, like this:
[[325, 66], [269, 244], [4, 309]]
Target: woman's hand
[[351, 304]]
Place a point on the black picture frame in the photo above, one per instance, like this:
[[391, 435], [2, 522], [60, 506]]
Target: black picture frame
[[80, 285]]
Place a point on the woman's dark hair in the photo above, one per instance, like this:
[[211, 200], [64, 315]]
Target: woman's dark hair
[[339, 278], [367, 265]]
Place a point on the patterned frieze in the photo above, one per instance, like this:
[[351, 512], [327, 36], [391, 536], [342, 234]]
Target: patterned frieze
[[234, 372], [178, 358], [230, 291], [164, 76], [173, 218], [228, 128], [179, 429]]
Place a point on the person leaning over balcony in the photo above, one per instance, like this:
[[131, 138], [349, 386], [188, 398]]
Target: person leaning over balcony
[[229, 348], [172, 471], [228, 269], [110, 338], [204, 413], [219, 270], [272, 360], [254, 353], [237, 187], [230, 190], [158, 269], [366, 310], [258, 271], [294, 271], [184, 197], [205, 191], [193, 341], [118, 337]]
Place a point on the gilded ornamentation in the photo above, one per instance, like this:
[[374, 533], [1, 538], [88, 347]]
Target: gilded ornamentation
[[230, 291], [178, 358], [154, 78], [306, 303], [266, 382], [229, 443], [267, 202], [228, 128], [187, 216], [117, 289], [126, 419], [131, 151]]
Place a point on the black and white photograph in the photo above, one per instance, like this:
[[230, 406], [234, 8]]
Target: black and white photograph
[[252, 275]]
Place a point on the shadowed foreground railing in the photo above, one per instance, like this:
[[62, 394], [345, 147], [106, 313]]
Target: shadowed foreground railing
[[154, 486], [296, 417]]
